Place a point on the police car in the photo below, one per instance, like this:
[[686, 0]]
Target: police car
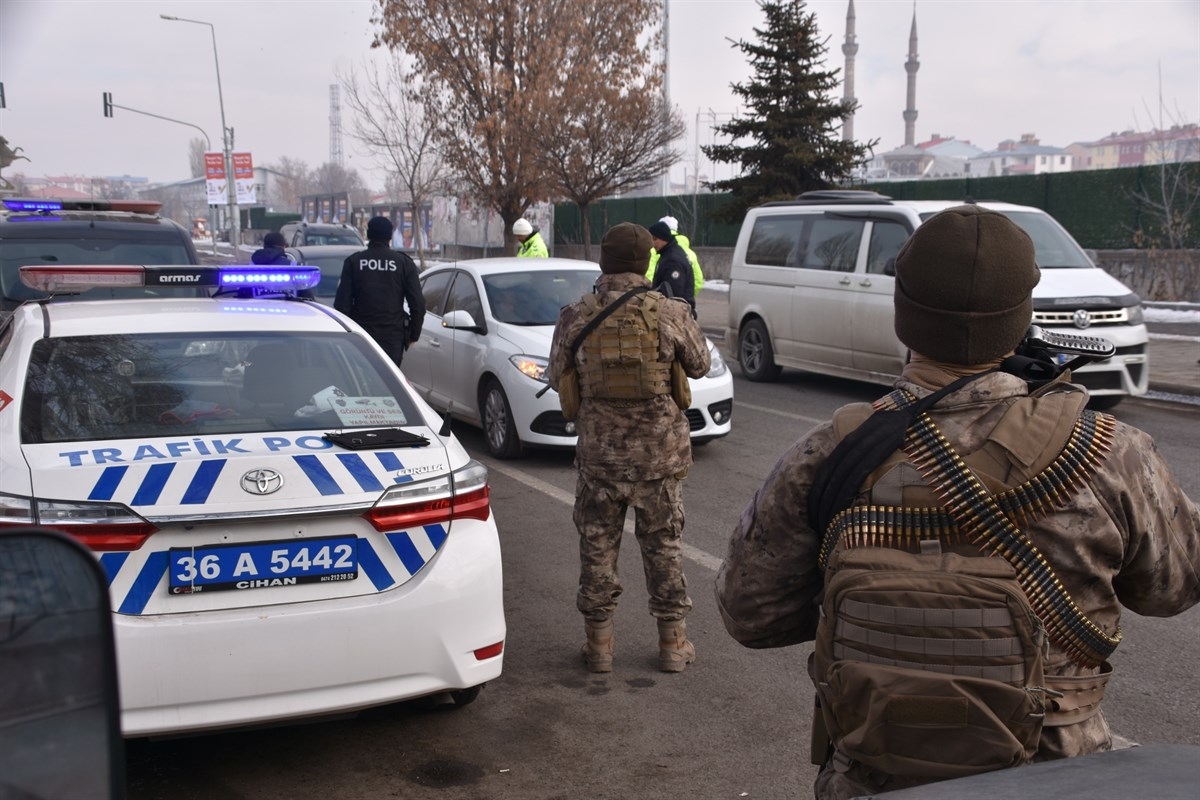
[[285, 531]]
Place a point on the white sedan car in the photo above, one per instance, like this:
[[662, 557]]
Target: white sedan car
[[485, 345], [284, 530]]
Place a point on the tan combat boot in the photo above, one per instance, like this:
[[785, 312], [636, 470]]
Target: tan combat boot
[[675, 652], [598, 650]]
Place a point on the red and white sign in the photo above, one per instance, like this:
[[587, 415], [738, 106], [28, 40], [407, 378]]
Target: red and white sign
[[214, 178], [5, 399], [243, 178]]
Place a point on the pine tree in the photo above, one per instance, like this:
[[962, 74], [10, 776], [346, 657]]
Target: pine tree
[[789, 142]]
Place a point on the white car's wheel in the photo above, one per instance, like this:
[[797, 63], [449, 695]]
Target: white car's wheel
[[499, 428]]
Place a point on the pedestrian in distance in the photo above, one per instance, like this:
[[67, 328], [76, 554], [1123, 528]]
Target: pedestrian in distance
[[615, 352], [685, 243], [273, 251], [532, 244], [959, 550], [674, 271], [376, 284]]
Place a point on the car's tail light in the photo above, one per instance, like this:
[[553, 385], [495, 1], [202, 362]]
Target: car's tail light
[[463, 494], [491, 651], [103, 527]]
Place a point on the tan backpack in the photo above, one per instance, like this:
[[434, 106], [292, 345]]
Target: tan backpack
[[928, 665]]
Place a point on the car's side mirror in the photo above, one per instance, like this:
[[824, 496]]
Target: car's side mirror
[[60, 728], [460, 319]]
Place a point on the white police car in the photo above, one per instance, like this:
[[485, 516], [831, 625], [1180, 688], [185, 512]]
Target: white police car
[[285, 532]]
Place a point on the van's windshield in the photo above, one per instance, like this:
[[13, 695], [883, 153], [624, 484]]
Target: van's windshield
[[1054, 247]]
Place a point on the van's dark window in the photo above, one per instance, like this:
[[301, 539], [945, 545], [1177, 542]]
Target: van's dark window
[[773, 239], [886, 239], [829, 244]]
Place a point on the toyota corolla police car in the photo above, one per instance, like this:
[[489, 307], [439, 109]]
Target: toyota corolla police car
[[285, 531]]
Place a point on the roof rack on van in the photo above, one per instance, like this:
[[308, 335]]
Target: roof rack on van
[[834, 197]]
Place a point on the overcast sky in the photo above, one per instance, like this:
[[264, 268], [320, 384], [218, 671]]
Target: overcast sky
[[1064, 70]]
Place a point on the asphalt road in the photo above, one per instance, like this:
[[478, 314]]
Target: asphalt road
[[734, 725]]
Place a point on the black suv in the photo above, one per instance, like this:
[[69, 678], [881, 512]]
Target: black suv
[[87, 232], [306, 234]]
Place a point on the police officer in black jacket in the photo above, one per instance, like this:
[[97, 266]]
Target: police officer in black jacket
[[673, 268], [375, 284]]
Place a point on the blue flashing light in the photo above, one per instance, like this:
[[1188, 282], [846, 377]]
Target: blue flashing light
[[285, 279], [33, 205]]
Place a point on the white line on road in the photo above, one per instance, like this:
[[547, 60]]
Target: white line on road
[[788, 414], [691, 553]]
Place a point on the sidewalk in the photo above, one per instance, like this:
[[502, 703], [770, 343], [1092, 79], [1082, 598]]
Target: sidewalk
[[1174, 362]]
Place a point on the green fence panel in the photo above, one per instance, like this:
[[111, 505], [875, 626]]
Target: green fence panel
[[1102, 209]]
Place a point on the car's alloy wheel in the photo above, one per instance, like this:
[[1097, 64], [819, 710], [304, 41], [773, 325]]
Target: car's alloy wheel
[[755, 356], [499, 428]]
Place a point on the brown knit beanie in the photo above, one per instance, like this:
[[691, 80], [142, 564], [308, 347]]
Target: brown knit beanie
[[964, 283], [625, 248]]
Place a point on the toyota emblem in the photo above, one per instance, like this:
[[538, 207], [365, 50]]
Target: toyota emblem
[[262, 481], [1082, 319]]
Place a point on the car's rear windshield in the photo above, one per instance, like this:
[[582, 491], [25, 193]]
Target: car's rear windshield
[[118, 386], [16, 253], [312, 238], [1054, 248], [535, 297]]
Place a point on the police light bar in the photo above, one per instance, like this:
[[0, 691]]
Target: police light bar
[[35, 205], [68, 279]]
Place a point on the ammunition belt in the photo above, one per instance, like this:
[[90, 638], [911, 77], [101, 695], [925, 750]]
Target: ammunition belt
[[972, 514]]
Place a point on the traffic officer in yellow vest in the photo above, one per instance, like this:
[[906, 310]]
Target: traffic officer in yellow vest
[[532, 244], [1094, 501], [684, 244], [634, 447]]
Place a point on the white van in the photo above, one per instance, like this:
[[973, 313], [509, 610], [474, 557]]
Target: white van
[[811, 288]]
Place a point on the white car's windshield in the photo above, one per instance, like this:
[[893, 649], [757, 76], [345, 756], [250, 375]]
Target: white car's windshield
[[534, 298], [1054, 248]]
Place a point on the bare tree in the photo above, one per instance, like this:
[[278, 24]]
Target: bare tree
[[613, 130], [196, 149], [331, 178], [391, 124], [295, 180], [1169, 202], [492, 71]]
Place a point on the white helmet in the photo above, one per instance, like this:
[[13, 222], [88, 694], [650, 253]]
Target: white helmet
[[522, 227], [672, 223]]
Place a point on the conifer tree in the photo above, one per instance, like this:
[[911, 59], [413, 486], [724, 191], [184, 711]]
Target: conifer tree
[[789, 140]]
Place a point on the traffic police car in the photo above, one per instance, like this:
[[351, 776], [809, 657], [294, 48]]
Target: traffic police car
[[286, 533]]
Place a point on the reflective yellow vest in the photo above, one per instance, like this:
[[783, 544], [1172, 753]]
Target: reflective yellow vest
[[533, 247]]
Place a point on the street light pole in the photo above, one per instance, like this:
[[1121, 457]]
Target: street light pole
[[226, 139]]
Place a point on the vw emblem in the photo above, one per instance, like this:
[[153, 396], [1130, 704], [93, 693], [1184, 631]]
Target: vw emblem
[[1082, 319], [262, 481]]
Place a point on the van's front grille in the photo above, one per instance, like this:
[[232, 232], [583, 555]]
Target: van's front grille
[[1065, 319]]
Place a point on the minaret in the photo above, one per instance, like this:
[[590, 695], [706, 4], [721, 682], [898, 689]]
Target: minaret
[[849, 50], [911, 66]]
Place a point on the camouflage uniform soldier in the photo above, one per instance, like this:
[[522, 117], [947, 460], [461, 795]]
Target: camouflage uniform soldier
[[1117, 531], [634, 445]]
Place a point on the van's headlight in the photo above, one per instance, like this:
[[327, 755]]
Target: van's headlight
[[717, 368], [1135, 315]]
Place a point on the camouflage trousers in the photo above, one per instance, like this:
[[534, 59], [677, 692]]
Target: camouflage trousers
[[600, 509]]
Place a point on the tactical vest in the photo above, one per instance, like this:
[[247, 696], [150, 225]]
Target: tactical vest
[[620, 358], [928, 661]]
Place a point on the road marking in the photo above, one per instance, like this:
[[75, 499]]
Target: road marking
[[694, 554], [788, 414]]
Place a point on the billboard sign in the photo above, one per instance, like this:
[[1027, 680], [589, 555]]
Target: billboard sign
[[243, 178], [214, 178]]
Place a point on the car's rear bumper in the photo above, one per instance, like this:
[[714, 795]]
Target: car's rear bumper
[[224, 668]]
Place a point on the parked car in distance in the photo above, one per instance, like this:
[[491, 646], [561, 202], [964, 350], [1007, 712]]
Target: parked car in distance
[[485, 346], [284, 531], [300, 233], [811, 284], [47, 231], [329, 258]]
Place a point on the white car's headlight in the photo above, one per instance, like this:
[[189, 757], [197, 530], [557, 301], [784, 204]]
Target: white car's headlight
[[717, 368], [1136, 317], [531, 366]]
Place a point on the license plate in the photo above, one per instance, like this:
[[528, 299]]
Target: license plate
[[262, 565]]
